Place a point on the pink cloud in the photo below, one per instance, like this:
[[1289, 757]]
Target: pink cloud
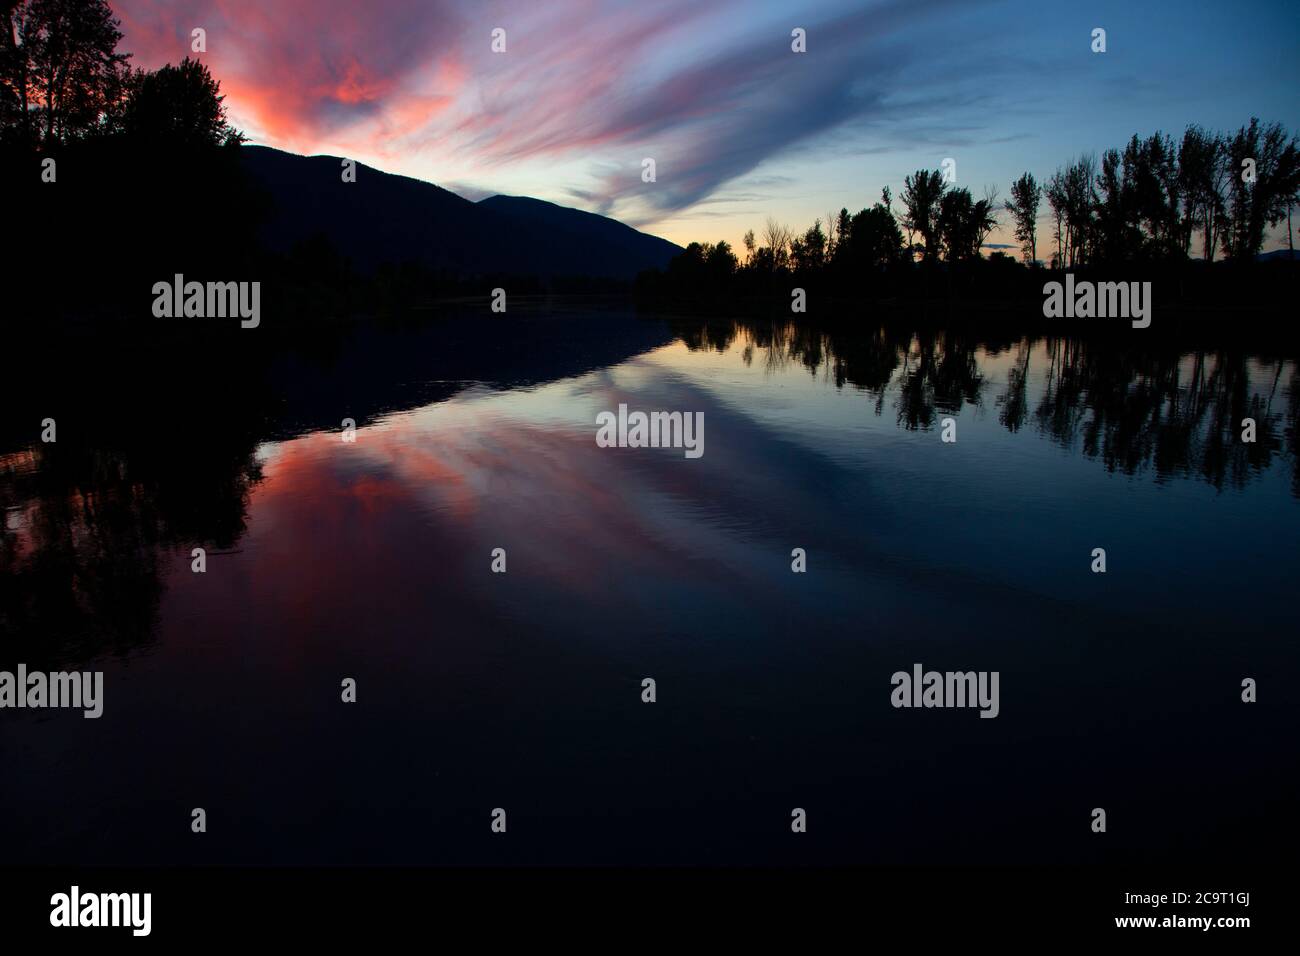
[[710, 90], [298, 71]]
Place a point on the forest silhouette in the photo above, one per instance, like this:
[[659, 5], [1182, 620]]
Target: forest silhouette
[[1138, 213]]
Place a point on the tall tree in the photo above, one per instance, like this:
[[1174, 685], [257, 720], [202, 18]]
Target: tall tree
[[843, 225], [1055, 192], [964, 223], [181, 105], [1118, 233], [922, 193], [720, 261], [1026, 195], [61, 77], [1259, 198], [986, 217], [809, 250], [777, 239], [1152, 189], [1080, 197], [1203, 169], [15, 82], [875, 240]]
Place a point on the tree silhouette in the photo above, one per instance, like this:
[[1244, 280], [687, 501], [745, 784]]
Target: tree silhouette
[[1263, 198], [875, 241], [1141, 205], [1026, 195], [922, 192], [1203, 167], [1139, 209], [61, 78], [776, 239], [181, 105], [1118, 230], [843, 228], [808, 251], [963, 224], [1080, 206]]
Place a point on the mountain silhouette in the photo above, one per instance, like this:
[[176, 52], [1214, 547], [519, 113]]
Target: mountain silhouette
[[383, 218]]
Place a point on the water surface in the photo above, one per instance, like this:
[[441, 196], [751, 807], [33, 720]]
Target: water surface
[[372, 560]]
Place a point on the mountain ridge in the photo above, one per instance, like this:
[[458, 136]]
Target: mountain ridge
[[386, 218]]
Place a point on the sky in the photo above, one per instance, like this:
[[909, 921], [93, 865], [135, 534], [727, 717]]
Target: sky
[[740, 127]]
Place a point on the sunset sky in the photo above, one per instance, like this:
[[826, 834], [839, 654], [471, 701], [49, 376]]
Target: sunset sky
[[739, 126]]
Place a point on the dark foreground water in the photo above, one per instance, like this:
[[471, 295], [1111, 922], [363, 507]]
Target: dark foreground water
[[477, 690]]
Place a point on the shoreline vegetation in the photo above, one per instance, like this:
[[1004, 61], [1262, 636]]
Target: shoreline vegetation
[[1134, 216], [128, 177]]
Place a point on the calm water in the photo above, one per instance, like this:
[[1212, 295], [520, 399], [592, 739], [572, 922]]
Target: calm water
[[476, 690]]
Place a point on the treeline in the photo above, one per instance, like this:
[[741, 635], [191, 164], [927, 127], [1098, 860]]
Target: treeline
[[1151, 199], [118, 177], [63, 82], [1144, 208]]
